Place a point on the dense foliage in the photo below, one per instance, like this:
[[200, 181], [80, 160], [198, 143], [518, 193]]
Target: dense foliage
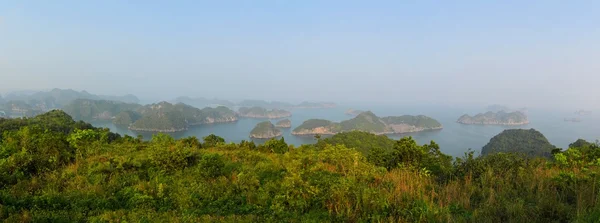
[[53, 169], [525, 141]]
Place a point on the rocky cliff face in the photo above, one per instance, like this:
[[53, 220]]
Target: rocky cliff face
[[314, 131], [210, 120]]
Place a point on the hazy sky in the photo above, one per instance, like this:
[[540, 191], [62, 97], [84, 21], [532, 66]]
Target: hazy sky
[[522, 53]]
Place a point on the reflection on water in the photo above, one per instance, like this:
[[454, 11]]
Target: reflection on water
[[454, 139]]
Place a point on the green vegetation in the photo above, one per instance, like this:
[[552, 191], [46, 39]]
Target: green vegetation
[[495, 118], [265, 130], [53, 169], [529, 142], [369, 122], [88, 110], [259, 112]]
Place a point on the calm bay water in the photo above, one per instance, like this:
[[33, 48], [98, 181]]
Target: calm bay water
[[455, 139]]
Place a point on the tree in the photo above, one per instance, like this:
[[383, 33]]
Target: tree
[[212, 140]]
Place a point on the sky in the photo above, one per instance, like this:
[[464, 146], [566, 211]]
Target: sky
[[520, 53]]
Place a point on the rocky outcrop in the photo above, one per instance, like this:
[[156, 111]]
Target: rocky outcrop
[[286, 123], [265, 130], [210, 120]]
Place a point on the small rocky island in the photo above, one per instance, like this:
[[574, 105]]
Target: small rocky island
[[353, 112], [369, 122], [259, 112], [495, 118], [286, 123], [265, 130]]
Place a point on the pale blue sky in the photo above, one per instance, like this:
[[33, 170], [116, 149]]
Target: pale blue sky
[[522, 53]]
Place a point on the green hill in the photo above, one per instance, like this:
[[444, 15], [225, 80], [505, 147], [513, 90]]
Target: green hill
[[529, 142]]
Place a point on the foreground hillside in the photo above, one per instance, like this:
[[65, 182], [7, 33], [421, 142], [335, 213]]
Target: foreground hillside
[[53, 169]]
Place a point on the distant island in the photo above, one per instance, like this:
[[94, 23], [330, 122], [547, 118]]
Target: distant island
[[526, 141], [265, 130], [90, 110], [29, 104], [495, 118], [159, 117], [307, 104], [286, 123], [583, 112], [167, 117], [369, 122], [284, 105], [572, 120], [353, 112], [258, 112], [201, 102]]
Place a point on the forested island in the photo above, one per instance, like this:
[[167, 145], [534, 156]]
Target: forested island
[[265, 130], [258, 112], [285, 123], [369, 122], [495, 118], [54, 169], [167, 117]]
